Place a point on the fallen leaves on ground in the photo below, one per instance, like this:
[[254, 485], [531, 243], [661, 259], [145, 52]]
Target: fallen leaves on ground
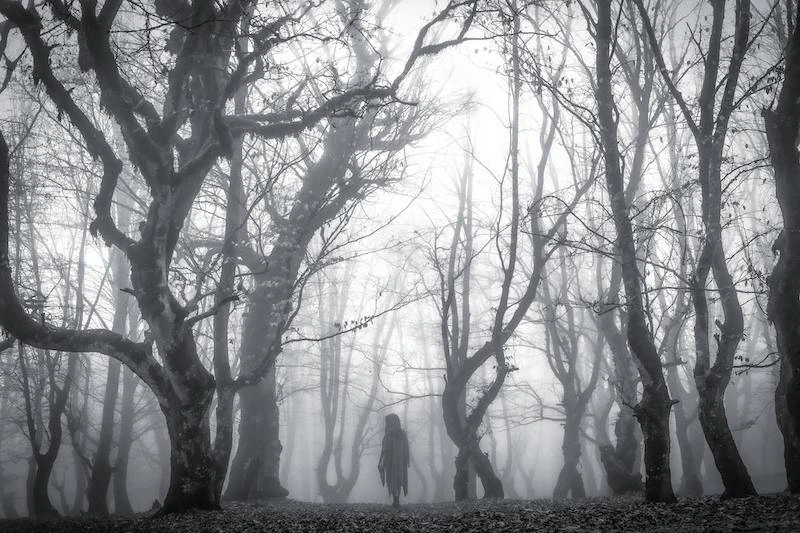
[[763, 513]]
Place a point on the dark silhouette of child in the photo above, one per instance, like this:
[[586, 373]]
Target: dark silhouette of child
[[393, 464]]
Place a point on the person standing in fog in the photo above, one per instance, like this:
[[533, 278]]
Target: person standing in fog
[[394, 461]]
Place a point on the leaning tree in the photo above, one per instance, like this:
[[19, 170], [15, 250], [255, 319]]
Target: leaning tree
[[653, 410], [710, 131]]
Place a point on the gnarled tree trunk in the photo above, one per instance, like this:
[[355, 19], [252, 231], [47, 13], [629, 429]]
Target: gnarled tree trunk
[[570, 481], [710, 133], [254, 471], [193, 476]]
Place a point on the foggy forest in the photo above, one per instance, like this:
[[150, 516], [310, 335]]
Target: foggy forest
[[419, 265]]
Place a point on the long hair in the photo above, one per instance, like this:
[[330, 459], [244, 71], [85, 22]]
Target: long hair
[[394, 461], [392, 423]]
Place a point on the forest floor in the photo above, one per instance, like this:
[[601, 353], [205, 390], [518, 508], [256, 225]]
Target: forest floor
[[763, 513]]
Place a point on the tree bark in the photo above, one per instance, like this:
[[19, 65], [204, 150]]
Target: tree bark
[[124, 324], [492, 484], [570, 481], [272, 299], [255, 469], [791, 441], [470, 475], [6, 495], [464, 436], [783, 128], [40, 503], [455, 316], [192, 473], [676, 316], [714, 421], [41, 506], [235, 230], [161, 438]]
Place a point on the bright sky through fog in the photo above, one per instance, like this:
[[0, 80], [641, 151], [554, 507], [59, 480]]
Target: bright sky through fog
[[469, 71]]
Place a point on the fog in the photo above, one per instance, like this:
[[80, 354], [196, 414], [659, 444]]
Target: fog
[[231, 249]]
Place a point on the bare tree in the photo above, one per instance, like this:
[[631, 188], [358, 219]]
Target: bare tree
[[352, 162], [565, 342], [710, 135], [653, 409], [173, 150], [338, 383]]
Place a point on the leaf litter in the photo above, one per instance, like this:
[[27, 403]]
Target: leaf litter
[[778, 512]]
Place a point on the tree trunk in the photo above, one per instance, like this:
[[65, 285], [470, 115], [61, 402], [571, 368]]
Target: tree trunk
[[255, 468], [39, 479], [569, 480], [691, 484], [438, 432], [471, 461], [101, 471], [286, 469], [709, 134], [591, 483], [186, 403], [620, 459], [791, 441], [41, 506], [653, 410], [653, 415], [122, 502], [29, 475], [715, 425], [712, 380], [223, 439], [183, 386], [492, 485], [617, 462], [470, 473], [268, 314], [161, 437], [6, 495], [192, 473], [100, 479], [460, 478], [235, 230], [464, 436], [782, 126]]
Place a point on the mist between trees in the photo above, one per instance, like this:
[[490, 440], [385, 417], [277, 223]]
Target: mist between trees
[[558, 239]]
